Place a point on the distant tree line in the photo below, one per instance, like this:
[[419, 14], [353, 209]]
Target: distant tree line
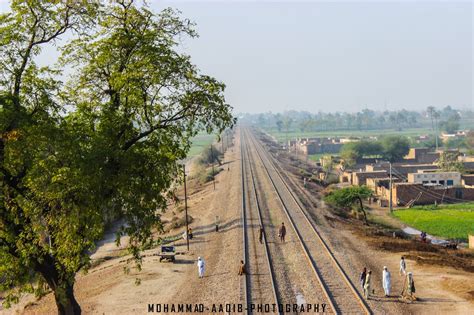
[[390, 148], [446, 119]]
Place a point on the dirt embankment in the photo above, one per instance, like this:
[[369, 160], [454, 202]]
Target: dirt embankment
[[444, 277], [107, 289]]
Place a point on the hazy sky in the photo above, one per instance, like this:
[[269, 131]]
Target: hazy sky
[[334, 56]]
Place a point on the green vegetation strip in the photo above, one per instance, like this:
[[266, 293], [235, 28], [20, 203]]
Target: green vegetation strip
[[199, 143], [450, 221]]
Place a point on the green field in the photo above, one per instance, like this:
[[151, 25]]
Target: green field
[[199, 142], [292, 134], [450, 221]]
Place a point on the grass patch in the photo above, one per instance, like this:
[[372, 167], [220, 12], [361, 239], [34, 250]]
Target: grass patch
[[199, 143], [450, 221]]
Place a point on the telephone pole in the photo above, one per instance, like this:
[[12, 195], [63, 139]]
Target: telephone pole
[[390, 187], [186, 207], [213, 172]]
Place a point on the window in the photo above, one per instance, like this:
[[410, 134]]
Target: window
[[441, 182], [425, 182], [450, 182]]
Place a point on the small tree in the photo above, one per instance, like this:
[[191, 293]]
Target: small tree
[[211, 155], [346, 198], [448, 162]]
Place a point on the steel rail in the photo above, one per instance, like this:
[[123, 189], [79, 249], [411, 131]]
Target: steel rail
[[302, 243], [244, 228], [344, 276], [267, 250]]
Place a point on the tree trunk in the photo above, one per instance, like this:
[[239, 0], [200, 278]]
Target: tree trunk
[[363, 211], [65, 300], [63, 289]]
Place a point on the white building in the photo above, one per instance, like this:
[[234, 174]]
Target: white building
[[433, 178]]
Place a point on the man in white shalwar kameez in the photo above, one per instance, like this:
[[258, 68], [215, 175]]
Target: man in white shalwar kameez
[[200, 267], [386, 281]]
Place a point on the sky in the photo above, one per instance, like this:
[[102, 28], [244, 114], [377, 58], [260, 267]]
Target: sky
[[333, 56]]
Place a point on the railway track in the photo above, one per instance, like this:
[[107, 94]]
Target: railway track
[[259, 284], [338, 289]]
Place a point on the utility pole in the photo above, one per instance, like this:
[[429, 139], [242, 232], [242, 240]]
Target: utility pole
[[213, 172], [390, 201], [186, 206], [222, 142]]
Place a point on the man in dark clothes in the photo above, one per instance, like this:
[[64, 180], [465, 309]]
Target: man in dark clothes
[[260, 235], [282, 232], [363, 274]]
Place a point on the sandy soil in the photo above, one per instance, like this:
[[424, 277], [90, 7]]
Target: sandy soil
[[440, 290], [107, 289]]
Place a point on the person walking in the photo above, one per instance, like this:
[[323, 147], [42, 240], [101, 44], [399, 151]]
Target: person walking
[[363, 274], [403, 267], [282, 232], [367, 284], [242, 269], [201, 267], [190, 233], [409, 287], [260, 234], [386, 281]]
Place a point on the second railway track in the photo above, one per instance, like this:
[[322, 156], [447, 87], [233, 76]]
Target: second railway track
[[337, 287]]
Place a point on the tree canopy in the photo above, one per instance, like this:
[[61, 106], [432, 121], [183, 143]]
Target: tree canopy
[[392, 148], [346, 197], [104, 145]]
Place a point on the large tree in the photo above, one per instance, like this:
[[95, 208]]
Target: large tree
[[395, 147], [104, 145], [347, 197]]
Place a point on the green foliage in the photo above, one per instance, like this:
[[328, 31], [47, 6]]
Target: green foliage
[[395, 147], [451, 221], [210, 155], [105, 145], [450, 126], [448, 162], [392, 148], [346, 197]]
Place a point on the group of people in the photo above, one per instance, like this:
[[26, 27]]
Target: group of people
[[408, 287], [242, 267]]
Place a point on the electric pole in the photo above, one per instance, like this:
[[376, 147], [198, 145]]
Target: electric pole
[[390, 187], [213, 172], [186, 207]]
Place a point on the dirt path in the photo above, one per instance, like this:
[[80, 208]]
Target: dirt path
[[107, 289], [441, 290]]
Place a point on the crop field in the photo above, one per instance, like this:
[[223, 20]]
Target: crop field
[[450, 221], [281, 136], [199, 142]]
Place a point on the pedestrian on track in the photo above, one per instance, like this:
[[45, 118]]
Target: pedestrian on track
[[363, 274], [282, 232], [386, 281], [201, 267], [260, 234], [242, 269], [403, 267], [367, 285]]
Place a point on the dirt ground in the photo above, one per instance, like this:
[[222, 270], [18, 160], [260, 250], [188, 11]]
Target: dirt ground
[[107, 289], [440, 289]]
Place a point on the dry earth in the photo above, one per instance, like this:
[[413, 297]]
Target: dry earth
[[440, 290], [106, 289]]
